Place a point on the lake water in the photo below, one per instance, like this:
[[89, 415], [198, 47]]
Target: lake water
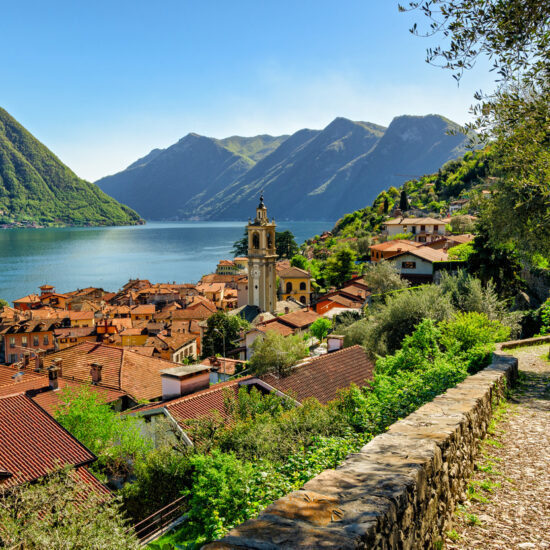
[[107, 257]]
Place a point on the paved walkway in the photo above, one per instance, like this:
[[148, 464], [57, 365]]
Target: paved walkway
[[516, 514]]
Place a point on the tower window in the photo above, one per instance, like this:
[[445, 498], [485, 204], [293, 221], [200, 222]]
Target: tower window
[[269, 241], [255, 240]]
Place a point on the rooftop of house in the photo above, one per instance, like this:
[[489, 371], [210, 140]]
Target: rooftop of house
[[294, 273], [397, 245], [28, 326], [145, 309], [414, 221], [223, 365], [324, 376], [32, 443], [299, 319], [29, 299], [122, 369], [74, 332], [424, 253], [185, 370], [276, 326]]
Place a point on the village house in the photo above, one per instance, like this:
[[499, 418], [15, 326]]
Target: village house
[[295, 283], [142, 312], [388, 249], [241, 263], [49, 297], [27, 337], [226, 267], [66, 337], [417, 266], [457, 205], [27, 303], [422, 229]]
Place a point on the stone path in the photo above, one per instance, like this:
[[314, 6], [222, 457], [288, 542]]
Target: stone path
[[516, 514]]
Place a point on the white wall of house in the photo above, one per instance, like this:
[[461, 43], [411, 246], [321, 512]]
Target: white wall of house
[[416, 228], [421, 267]]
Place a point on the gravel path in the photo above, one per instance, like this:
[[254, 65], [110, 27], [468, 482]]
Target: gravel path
[[509, 494]]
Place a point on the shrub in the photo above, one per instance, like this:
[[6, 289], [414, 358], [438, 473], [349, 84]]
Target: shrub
[[277, 353], [545, 317], [389, 323], [382, 277], [320, 328], [160, 477]]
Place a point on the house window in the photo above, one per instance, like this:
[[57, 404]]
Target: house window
[[12, 341], [302, 286], [289, 287], [421, 239], [13, 357], [35, 341], [408, 265], [422, 228], [413, 229], [24, 340], [303, 299], [46, 340]]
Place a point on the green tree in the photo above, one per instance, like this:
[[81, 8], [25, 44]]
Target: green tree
[[320, 328], [299, 261], [340, 267], [285, 244], [382, 277], [3, 303], [58, 512], [498, 263], [403, 201], [115, 439], [277, 353], [221, 334], [240, 246], [386, 204], [515, 36]]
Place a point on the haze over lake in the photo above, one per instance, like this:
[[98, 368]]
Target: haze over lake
[[107, 257]]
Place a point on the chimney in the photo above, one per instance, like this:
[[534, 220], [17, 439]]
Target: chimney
[[287, 309], [26, 359], [335, 342], [184, 380], [95, 373], [39, 360], [169, 332], [54, 372]]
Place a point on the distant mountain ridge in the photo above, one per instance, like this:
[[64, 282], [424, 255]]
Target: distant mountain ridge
[[37, 188], [312, 174]]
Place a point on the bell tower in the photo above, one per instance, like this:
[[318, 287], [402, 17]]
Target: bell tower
[[262, 256]]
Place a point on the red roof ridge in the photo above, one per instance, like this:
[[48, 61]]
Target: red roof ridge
[[207, 391]]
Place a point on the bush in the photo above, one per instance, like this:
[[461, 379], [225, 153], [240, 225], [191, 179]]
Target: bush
[[160, 477], [389, 323], [545, 317], [277, 353], [383, 277]]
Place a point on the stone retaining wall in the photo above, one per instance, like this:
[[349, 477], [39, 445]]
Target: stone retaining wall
[[399, 491], [537, 341]]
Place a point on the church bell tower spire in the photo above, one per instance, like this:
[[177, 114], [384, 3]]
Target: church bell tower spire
[[262, 257]]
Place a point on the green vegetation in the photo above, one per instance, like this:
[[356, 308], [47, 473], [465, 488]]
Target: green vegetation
[[35, 187], [116, 440], [320, 328], [222, 333], [277, 353], [268, 446], [77, 518]]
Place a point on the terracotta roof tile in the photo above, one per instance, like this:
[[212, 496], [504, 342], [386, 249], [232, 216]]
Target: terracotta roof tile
[[324, 376], [125, 370], [32, 443]]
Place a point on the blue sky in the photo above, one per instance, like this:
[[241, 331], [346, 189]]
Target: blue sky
[[102, 83]]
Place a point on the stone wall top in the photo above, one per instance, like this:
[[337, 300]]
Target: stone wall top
[[399, 491]]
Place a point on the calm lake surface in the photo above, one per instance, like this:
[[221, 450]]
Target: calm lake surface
[[107, 257]]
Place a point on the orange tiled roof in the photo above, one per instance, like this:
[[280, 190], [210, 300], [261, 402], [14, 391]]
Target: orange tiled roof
[[424, 253], [294, 273], [29, 299], [275, 326], [414, 221], [299, 319], [324, 376], [397, 245], [125, 370], [32, 443]]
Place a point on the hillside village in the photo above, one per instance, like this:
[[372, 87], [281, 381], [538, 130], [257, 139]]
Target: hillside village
[[170, 355]]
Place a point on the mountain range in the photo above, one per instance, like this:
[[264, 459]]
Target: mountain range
[[309, 175], [36, 187]]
